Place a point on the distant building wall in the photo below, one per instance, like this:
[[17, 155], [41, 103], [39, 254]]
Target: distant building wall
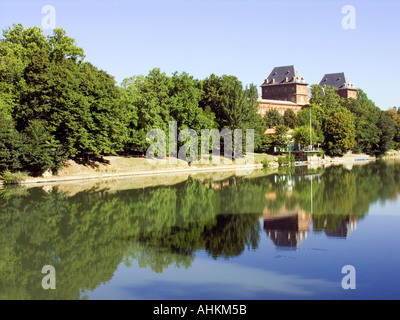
[[266, 105], [347, 93], [293, 92]]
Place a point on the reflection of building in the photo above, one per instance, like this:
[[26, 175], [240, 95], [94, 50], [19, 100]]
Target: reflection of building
[[286, 228], [344, 228]]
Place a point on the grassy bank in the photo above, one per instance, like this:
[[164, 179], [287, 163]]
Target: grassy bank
[[125, 167], [120, 167]]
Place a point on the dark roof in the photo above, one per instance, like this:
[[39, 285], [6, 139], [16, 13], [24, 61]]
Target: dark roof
[[284, 74], [337, 80]]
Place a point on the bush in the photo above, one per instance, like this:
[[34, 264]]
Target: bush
[[41, 151], [288, 160], [34, 149], [265, 163], [9, 177], [10, 145]]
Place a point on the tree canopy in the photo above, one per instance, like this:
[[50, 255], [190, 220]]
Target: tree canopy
[[54, 105], [82, 113]]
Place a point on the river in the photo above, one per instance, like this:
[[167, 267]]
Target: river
[[299, 233]]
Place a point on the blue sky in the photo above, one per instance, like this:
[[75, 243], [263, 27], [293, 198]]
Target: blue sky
[[236, 37]]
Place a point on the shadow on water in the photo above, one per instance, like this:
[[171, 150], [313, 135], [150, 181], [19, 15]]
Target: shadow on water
[[86, 236]]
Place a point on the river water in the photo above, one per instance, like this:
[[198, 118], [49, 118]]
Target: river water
[[326, 233]]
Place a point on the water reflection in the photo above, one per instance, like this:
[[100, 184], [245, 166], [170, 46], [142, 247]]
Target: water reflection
[[287, 229], [344, 227], [86, 236]]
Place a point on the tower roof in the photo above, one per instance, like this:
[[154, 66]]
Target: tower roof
[[284, 74], [337, 80]]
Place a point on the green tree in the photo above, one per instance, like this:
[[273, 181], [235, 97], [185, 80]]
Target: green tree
[[40, 152], [388, 131], [339, 132], [395, 116], [280, 138], [211, 96], [273, 118], [130, 91], [366, 117], [150, 98], [317, 94], [19, 46], [326, 97], [234, 106], [77, 103], [10, 144], [185, 92], [301, 135], [317, 120], [290, 119], [102, 116], [155, 100]]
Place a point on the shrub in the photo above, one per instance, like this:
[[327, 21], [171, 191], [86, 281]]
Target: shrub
[[288, 160], [265, 163], [9, 177]]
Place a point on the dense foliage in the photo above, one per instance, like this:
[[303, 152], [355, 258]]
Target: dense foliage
[[55, 106], [342, 125]]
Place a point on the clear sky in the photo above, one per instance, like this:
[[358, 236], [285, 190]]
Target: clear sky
[[246, 39]]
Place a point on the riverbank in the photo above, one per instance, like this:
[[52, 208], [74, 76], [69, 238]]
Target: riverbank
[[128, 167], [114, 167]]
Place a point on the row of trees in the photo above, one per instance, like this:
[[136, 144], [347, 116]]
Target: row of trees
[[54, 105], [338, 125]]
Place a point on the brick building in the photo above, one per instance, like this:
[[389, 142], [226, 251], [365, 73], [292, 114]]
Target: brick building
[[345, 88], [284, 89]]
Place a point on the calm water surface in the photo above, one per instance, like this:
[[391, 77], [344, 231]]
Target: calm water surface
[[264, 236]]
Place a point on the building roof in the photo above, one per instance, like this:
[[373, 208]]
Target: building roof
[[337, 80], [284, 74]]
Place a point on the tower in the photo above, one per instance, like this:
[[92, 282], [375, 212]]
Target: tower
[[344, 87], [285, 84]]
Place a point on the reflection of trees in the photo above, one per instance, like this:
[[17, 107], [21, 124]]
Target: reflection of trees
[[40, 229], [347, 194], [231, 234], [339, 196], [86, 236]]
